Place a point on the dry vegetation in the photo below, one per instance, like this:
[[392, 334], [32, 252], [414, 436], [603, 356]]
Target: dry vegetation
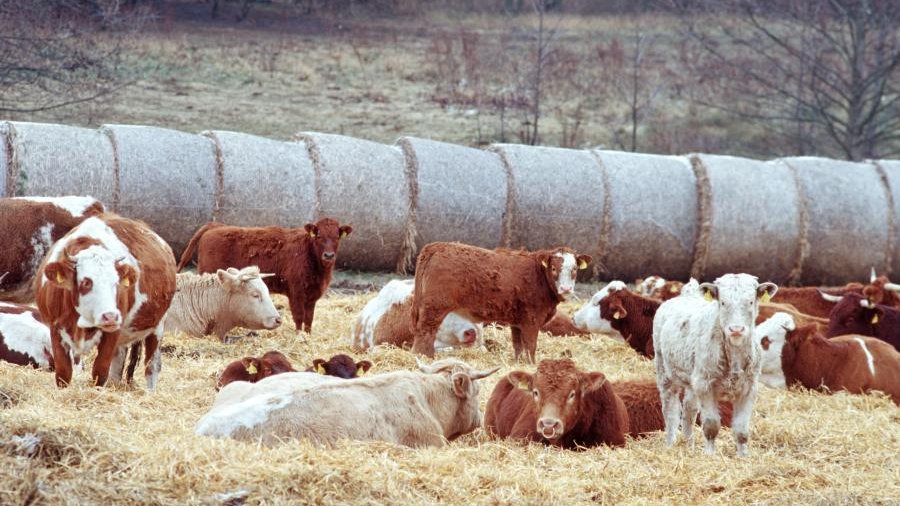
[[115, 446]]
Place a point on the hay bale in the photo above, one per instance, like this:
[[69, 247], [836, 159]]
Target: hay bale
[[6, 182], [848, 220], [55, 160], [755, 219], [889, 171], [462, 193], [262, 181], [558, 198], [652, 215], [362, 183], [166, 178]]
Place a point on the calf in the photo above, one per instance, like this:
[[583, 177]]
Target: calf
[[416, 409], [387, 319], [641, 399], [253, 369], [107, 284], [517, 288], [29, 227], [216, 303], [655, 287], [705, 353], [814, 301], [588, 318], [561, 325], [559, 405], [24, 339], [854, 314], [632, 316], [302, 259], [802, 356], [340, 366]]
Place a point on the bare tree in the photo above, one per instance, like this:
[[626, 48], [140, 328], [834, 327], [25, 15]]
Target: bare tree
[[637, 87], [542, 54]]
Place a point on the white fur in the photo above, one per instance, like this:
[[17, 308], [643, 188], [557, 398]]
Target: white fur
[[24, 334], [74, 205], [250, 412], [97, 264], [588, 315], [40, 244], [776, 329], [567, 274], [649, 285], [870, 360]]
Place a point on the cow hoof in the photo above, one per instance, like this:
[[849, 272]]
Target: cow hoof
[[709, 448]]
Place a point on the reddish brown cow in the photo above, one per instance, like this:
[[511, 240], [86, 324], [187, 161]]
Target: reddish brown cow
[[253, 369], [644, 407], [880, 290], [558, 405], [107, 283], [517, 288], [29, 226], [632, 316], [856, 315], [301, 259], [766, 310], [341, 366], [809, 300], [24, 339], [561, 325]]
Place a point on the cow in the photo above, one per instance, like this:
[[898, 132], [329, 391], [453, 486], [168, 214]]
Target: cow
[[801, 355], [107, 284], [641, 399], [768, 310], [705, 353], [387, 319], [854, 314], [24, 339], [29, 227], [656, 287], [880, 290], [559, 405], [516, 288], [561, 325], [216, 303], [302, 259], [423, 408], [814, 301], [253, 369], [340, 366], [632, 316], [588, 318]]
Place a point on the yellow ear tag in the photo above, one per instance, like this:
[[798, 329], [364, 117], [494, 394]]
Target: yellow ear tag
[[708, 296], [617, 315], [251, 369], [544, 263], [312, 234], [59, 278], [582, 265], [343, 234], [320, 369], [673, 289], [126, 282], [874, 319], [766, 298], [522, 385]]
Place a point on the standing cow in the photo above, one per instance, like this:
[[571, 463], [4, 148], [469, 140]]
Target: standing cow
[[302, 259], [29, 226], [517, 288], [107, 283]]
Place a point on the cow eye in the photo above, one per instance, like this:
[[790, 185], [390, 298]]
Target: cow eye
[[257, 296], [572, 396], [85, 285], [535, 394]]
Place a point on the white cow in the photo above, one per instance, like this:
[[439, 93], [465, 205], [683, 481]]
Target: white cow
[[705, 352], [588, 318], [771, 336]]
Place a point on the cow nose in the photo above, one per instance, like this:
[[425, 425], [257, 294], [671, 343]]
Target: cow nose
[[549, 427], [328, 255], [469, 336], [109, 318], [736, 330], [278, 320], [565, 289]]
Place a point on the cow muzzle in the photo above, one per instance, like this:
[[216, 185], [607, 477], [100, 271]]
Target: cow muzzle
[[274, 323], [328, 256], [550, 428], [469, 336]]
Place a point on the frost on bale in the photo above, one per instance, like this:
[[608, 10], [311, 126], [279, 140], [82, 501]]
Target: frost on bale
[[363, 184], [54, 160], [7, 183], [558, 198], [848, 219], [754, 218], [890, 169], [166, 178], [263, 182], [653, 211], [462, 193]]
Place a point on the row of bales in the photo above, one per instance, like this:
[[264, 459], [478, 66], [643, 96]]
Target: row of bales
[[791, 220]]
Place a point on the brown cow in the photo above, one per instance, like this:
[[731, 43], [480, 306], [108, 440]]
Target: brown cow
[[644, 407], [814, 301], [107, 283], [767, 310], [559, 405], [301, 259], [880, 290], [561, 325], [516, 288], [340, 366], [29, 226], [253, 369], [632, 316], [656, 287]]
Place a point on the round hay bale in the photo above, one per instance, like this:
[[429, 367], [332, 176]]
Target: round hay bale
[[166, 178], [558, 198], [848, 220], [754, 214], [889, 171], [462, 193], [53, 160], [262, 182], [7, 184], [653, 209], [361, 183]]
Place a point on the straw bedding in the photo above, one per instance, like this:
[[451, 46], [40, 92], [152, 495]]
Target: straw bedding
[[115, 446]]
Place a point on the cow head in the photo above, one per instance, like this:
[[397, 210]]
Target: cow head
[[649, 286], [612, 307], [880, 290], [588, 316], [457, 330], [794, 341], [670, 290], [249, 303], [561, 267], [557, 388], [325, 236], [341, 366], [738, 297], [855, 314], [462, 382], [771, 336], [276, 363]]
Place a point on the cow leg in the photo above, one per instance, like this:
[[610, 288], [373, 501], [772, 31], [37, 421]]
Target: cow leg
[[709, 412], [134, 356], [689, 408], [740, 423], [671, 408], [117, 364], [105, 353], [516, 334], [62, 361], [308, 317], [152, 361], [298, 312], [529, 342]]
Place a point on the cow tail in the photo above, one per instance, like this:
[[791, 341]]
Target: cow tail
[[192, 245]]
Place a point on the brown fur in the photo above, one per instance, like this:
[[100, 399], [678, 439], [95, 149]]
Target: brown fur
[[641, 399], [878, 294], [516, 288], [297, 256], [561, 325], [395, 325], [271, 363], [340, 366], [849, 317], [766, 310], [635, 321], [808, 300]]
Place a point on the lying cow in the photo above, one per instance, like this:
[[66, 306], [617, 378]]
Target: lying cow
[[656, 287], [416, 409], [561, 325], [302, 259], [387, 319], [24, 339], [814, 301], [340, 366], [802, 356], [216, 303], [253, 369], [29, 226], [588, 318], [880, 290], [854, 314], [107, 284], [641, 399], [516, 288], [705, 353], [632, 316], [767, 310]]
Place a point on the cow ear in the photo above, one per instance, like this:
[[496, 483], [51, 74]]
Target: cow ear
[[594, 381], [520, 379], [462, 384], [127, 274], [345, 230], [877, 316], [583, 261], [363, 367], [710, 291], [229, 280], [318, 365], [250, 365], [545, 260], [63, 274], [311, 230], [618, 310], [765, 291]]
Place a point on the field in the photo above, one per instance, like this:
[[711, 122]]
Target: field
[[128, 446]]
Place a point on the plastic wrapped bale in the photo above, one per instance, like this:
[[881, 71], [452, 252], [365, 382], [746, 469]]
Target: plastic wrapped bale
[[558, 198], [848, 220], [889, 170], [462, 193], [363, 184], [263, 182], [755, 223], [54, 160], [651, 217], [166, 178]]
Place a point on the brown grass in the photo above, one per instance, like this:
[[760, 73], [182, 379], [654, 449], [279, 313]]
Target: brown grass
[[117, 446]]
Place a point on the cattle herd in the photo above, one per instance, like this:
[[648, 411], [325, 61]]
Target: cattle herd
[[108, 286]]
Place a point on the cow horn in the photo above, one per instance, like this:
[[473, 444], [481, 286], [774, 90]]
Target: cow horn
[[866, 304], [830, 298], [894, 287], [872, 276], [483, 374], [266, 275], [3, 276]]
